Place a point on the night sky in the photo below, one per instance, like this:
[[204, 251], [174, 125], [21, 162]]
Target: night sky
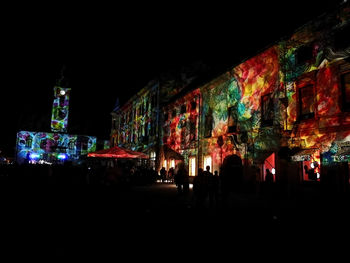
[[112, 51]]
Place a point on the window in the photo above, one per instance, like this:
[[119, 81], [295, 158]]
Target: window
[[345, 82], [341, 38], [303, 54], [71, 145], [173, 113], [165, 165], [153, 156], [166, 116], [183, 109], [208, 125], [267, 110], [172, 163], [130, 116], [193, 105], [152, 126], [192, 166], [231, 120], [29, 142], [193, 132], [154, 101], [306, 102], [61, 101], [208, 162]]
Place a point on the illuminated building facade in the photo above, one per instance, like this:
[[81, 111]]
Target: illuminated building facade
[[43, 147], [180, 129], [56, 146], [135, 124], [289, 103], [60, 109]]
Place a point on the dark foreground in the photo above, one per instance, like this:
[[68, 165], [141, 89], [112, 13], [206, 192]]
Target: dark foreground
[[143, 221]]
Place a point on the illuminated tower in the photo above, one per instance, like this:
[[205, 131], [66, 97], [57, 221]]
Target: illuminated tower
[[60, 107]]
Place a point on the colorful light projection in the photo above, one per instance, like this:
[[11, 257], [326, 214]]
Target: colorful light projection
[[51, 147], [232, 109], [137, 121], [60, 109], [180, 128], [313, 63]]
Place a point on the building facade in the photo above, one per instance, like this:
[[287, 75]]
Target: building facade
[[284, 109], [135, 124], [56, 146]]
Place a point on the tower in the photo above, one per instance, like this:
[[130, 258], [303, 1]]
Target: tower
[[60, 107]]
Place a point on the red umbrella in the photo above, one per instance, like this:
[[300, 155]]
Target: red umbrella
[[117, 152], [138, 154]]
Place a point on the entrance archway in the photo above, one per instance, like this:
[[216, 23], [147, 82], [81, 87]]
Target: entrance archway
[[231, 173]]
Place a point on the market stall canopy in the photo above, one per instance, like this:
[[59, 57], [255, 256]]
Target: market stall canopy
[[119, 153], [171, 154]]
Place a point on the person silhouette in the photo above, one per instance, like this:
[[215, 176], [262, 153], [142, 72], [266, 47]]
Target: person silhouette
[[200, 188], [268, 183], [213, 188], [162, 174]]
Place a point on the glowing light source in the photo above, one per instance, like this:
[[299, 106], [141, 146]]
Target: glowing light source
[[273, 171], [62, 92], [207, 162], [34, 156], [62, 156], [312, 165], [192, 164], [318, 175]]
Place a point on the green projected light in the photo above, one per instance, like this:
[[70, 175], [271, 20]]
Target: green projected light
[[59, 118]]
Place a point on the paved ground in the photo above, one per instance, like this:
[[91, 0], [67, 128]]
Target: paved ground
[[84, 222]]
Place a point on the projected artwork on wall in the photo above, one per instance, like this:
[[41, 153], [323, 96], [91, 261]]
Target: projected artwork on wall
[[60, 109], [232, 109], [51, 147]]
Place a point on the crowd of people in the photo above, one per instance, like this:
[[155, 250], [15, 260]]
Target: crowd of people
[[108, 173]]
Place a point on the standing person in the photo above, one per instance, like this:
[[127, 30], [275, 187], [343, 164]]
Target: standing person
[[268, 183], [213, 189], [162, 174], [180, 177], [171, 174], [200, 189]]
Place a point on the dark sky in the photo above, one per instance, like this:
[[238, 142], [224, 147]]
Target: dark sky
[[112, 51]]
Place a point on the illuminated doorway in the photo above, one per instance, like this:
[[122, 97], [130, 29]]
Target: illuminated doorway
[[192, 166], [165, 165], [269, 164], [172, 163], [208, 162]]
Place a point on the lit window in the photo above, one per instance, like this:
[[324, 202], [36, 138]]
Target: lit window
[[165, 164], [172, 163], [208, 162], [306, 102], [192, 166]]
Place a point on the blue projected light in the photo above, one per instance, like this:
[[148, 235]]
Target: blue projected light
[[62, 156], [34, 156]]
